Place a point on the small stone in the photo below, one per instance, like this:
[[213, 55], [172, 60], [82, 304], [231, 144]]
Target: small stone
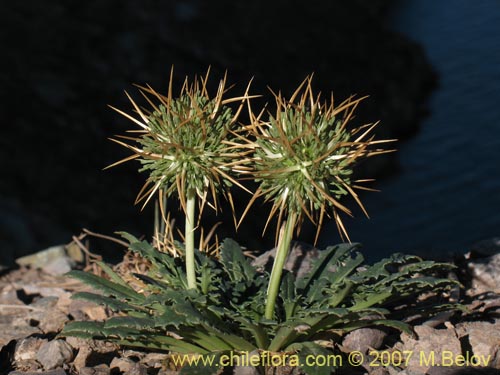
[[95, 312], [462, 370], [137, 369], [80, 361], [78, 309], [54, 259], [15, 331], [53, 322], [486, 274], [299, 259], [484, 339], [430, 342], [245, 370], [51, 372], [28, 365], [380, 371], [155, 360], [167, 372], [77, 342], [44, 303], [364, 339], [122, 364], [97, 370], [26, 349], [54, 354]]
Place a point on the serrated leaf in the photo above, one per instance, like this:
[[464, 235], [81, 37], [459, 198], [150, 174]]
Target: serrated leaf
[[108, 287], [330, 256], [113, 275], [306, 349], [129, 322], [288, 295], [112, 303], [236, 265]]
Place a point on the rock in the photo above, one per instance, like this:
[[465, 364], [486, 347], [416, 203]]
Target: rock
[[44, 315], [97, 370], [53, 292], [484, 340], [245, 370], [154, 360], [27, 348], [84, 352], [52, 260], [468, 370], [53, 322], [380, 371], [430, 342], [168, 372], [77, 342], [28, 365], [95, 312], [364, 339], [122, 364], [51, 372], [10, 332], [54, 354], [136, 369], [85, 310], [485, 274], [298, 260]]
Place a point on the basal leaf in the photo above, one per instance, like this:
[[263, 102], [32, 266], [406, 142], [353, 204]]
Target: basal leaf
[[235, 263], [108, 287], [112, 303]]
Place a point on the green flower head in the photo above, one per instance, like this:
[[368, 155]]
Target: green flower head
[[305, 154], [186, 143]]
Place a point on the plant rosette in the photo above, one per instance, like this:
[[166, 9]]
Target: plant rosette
[[225, 315], [302, 158]]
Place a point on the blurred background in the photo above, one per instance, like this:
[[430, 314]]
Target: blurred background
[[431, 68]]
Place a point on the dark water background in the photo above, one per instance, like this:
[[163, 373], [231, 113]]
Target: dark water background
[[447, 194]]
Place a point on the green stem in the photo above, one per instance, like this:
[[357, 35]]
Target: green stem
[[279, 262], [189, 238]]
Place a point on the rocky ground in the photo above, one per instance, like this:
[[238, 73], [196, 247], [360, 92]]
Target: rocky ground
[[35, 303]]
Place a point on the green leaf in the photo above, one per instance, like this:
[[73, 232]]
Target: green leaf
[[113, 275], [327, 257], [371, 299], [306, 349], [83, 329], [108, 287], [288, 295], [112, 303], [343, 270], [130, 322], [235, 263], [339, 292], [257, 330]]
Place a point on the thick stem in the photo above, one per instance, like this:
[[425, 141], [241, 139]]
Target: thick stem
[[189, 238], [279, 262]]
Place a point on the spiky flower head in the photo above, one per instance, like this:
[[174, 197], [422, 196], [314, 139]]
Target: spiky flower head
[[305, 154], [185, 142]]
